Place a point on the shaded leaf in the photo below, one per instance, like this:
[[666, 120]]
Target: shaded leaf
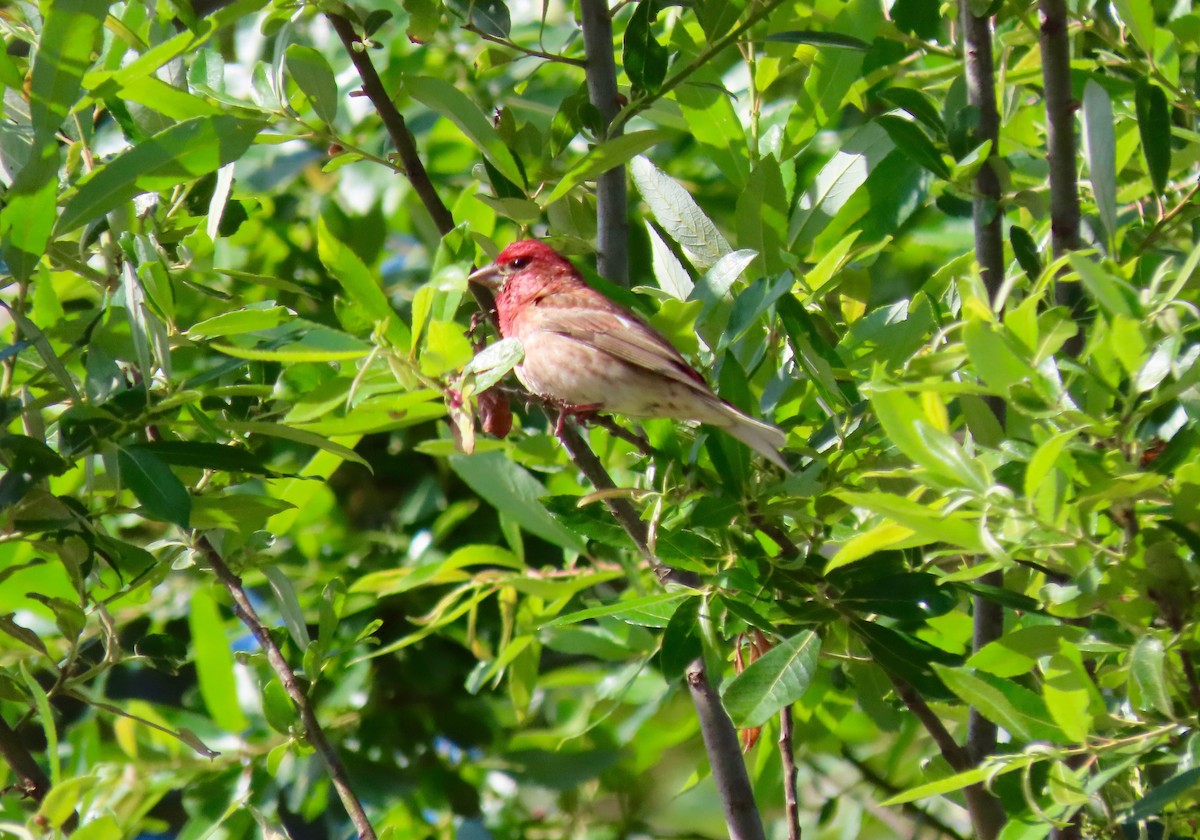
[[777, 679]]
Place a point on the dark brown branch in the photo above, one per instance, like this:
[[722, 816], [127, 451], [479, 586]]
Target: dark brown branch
[[612, 221], [1060, 151], [1060, 125], [988, 619], [33, 780], [987, 816], [245, 611], [788, 755], [724, 757], [981, 92], [402, 138]]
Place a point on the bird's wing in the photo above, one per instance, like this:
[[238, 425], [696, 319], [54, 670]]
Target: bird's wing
[[625, 337]]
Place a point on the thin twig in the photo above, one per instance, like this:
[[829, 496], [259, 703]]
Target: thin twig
[[788, 755], [531, 53], [702, 60], [245, 611]]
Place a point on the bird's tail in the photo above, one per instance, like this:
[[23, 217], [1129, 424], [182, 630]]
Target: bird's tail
[[759, 436]]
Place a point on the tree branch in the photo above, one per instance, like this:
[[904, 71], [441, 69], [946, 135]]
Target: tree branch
[[33, 780], [987, 816], [1060, 152], [981, 92], [724, 757], [720, 736], [402, 138], [245, 611], [787, 755], [612, 220]]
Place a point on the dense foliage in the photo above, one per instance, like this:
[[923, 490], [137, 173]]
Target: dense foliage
[[233, 329]]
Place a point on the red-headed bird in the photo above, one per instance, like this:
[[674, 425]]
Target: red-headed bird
[[588, 353]]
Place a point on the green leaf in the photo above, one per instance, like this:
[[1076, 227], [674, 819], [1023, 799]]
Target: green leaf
[[818, 39], [70, 34], [315, 77], [492, 363], [910, 596], [209, 456], [938, 787], [682, 640], [996, 356], [1113, 294], [262, 427], [647, 611], [915, 436], [444, 98], [214, 662], [1068, 692], [306, 343], [63, 800], [1026, 251], [603, 157], [1139, 17], [250, 319], [644, 58], [1017, 652], [174, 156], [277, 707], [679, 215], [779, 678], [837, 182], [1100, 151], [1021, 712], [1153, 803], [917, 103], [488, 16], [513, 491], [162, 495], [1154, 127], [360, 284], [41, 702], [912, 141], [1148, 677]]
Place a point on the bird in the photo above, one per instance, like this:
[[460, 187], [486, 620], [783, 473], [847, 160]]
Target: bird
[[587, 353]]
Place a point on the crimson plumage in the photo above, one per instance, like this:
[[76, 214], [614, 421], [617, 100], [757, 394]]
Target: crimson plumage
[[587, 352]]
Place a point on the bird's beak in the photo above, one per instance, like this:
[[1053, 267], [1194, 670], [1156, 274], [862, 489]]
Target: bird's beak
[[488, 276]]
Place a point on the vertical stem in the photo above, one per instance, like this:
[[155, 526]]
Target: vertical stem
[[986, 815], [981, 92], [988, 617], [1060, 127], [724, 757], [1060, 151], [612, 223], [788, 755]]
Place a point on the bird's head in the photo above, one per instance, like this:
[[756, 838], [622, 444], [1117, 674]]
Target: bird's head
[[527, 258]]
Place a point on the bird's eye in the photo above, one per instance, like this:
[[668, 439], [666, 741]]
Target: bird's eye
[[519, 263]]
